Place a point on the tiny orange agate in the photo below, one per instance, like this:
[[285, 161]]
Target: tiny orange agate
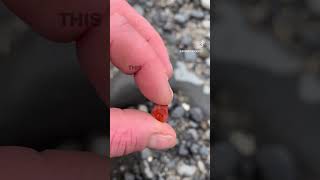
[[160, 112]]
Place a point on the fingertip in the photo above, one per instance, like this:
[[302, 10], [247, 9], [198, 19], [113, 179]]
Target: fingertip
[[133, 130], [154, 85]]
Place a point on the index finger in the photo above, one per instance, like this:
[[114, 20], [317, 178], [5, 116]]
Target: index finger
[[132, 54], [144, 28]]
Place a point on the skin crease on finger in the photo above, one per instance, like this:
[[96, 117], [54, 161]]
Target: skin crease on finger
[[125, 138], [132, 130], [144, 28], [129, 47]]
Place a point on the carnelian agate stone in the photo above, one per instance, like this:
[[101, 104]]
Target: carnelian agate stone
[[160, 112]]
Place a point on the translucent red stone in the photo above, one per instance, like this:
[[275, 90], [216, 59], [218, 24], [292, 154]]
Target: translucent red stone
[[160, 112]]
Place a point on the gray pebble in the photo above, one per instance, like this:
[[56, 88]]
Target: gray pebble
[[129, 176], [194, 148], [190, 56], [181, 18], [180, 2], [168, 26], [171, 39], [187, 178], [193, 124], [177, 112], [146, 153], [183, 151], [147, 171], [204, 151], [171, 164], [186, 40], [197, 14], [149, 3], [194, 134], [186, 170], [196, 114]]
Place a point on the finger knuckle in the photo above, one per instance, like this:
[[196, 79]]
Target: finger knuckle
[[123, 143]]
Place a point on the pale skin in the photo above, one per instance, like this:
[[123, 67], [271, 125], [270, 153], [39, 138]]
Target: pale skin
[[133, 42]]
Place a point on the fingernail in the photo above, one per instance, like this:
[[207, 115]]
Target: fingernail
[[171, 91], [161, 141]]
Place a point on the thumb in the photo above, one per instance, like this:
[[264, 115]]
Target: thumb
[[132, 130]]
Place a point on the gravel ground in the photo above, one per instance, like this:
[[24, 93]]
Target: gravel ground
[[184, 25], [190, 159]]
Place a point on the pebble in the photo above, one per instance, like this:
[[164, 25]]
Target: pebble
[[208, 61], [194, 148], [181, 18], [186, 170], [143, 108], [206, 89], [165, 159], [177, 112], [147, 171], [196, 114], [194, 134], [197, 14], [183, 151], [205, 4], [168, 26], [129, 176], [202, 167], [146, 153], [186, 40], [206, 24], [204, 53], [204, 151], [171, 164], [149, 3], [204, 125], [193, 124], [182, 73], [190, 56], [206, 135], [171, 39], [185, 106]]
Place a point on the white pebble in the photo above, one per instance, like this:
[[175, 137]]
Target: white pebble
[[205, 4], [185, 106]]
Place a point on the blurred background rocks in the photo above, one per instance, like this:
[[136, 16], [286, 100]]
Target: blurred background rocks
[[266, 87]]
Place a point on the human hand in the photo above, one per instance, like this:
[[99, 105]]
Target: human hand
[[44, 17], [152, 79], [134, 43]]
